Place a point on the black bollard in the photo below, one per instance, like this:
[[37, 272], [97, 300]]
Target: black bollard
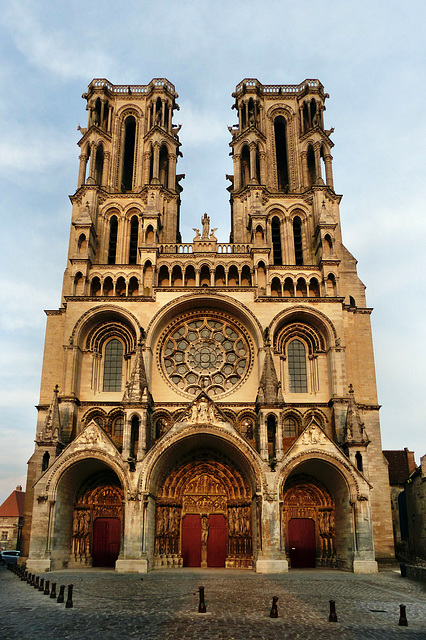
[[403, 622], [41, 585], [202, 604], [36, 583], [69, 604], [28, 578], [53, 590], [332, 617], [46, 588], [274, 609], [23, 576], [60, 597]]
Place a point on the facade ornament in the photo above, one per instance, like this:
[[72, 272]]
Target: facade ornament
[[205, 221], [90, 435], [52, 426], [269, 388], [313, 435], [42, 498], [203, 411], [137, 387], [354, 431]]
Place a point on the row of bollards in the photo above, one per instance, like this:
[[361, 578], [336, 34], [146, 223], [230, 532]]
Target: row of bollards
[[43, 585], [274, 609], [333, 615]]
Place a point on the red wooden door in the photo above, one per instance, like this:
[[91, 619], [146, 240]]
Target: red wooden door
[[106, 541], [301, 541], [191, 540], [216, 542]]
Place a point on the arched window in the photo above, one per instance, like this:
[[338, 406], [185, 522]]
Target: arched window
[[298, 382], [290, 428], [311, 165], [45, 461], [134, 437], [118, 427], [164, 166], [133, 246], [245, 166], [112, 246], [276, 240], [113, 365], [358, 459], [297, 237], [99, 164], [129, 153], [272, 428], [280, 127]]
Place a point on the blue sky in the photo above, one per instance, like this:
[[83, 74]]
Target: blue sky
[[370, 57]]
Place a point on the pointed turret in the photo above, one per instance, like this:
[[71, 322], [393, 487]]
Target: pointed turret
[[52, 426]]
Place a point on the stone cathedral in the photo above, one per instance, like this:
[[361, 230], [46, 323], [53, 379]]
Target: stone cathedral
[[208, 404]]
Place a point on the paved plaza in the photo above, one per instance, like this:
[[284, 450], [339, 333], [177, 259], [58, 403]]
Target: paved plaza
[[164, 605]]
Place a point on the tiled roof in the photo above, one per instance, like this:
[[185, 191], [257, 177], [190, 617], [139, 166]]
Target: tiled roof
[[13, 506], [401, 465]]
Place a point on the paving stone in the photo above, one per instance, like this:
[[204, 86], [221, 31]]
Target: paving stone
[[164, 606]]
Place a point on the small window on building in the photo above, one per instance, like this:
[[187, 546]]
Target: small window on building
[[4, 535], [112, 246], [358, 458], [113, 365], [290, 428], [118, 426], [45, 461], [297, 367]]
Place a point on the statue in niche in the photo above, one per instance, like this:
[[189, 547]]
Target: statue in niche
[[205, 221], [204, 530]]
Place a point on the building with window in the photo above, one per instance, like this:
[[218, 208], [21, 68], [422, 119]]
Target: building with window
[[206, 403], [11, 520]]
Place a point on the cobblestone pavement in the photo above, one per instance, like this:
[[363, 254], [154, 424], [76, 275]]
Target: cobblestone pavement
[[163, 605]]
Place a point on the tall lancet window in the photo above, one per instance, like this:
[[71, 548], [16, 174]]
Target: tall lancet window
[[133, 246], [113, 365], [112, 246], [297, 236], [276, 240], [280, 130], [129, 154], [298, 382]]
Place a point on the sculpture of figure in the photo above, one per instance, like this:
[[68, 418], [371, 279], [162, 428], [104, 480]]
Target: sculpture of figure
[[212, 236], [204, 530], [203, 412], [197, 233], [205, 221]]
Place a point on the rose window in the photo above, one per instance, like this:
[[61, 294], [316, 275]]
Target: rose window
[[210, 353]]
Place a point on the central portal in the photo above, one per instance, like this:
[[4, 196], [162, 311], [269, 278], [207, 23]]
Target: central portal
[[203, 516], [204, 540]]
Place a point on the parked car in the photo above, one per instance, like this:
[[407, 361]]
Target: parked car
[[9, 557]]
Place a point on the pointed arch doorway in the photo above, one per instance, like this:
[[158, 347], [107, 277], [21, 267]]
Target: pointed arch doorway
[[97, 517], [308, 515], [203, 515]]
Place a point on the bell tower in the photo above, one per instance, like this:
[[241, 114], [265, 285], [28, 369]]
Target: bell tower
[[128, 193], [282, 158]]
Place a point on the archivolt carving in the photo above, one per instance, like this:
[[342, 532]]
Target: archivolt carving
[[304, 315], [112, 311], [61, 464]]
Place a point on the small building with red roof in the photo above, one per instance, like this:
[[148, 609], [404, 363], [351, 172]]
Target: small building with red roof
[[12, 519]]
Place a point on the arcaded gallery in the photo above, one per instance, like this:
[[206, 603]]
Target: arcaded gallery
[[208, 404]]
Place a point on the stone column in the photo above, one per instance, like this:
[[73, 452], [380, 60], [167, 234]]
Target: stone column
[[82, 169], [253, 149], [304, 159], [105, 171], [172, 172], [364, 557], [328, 170], [317, 152], [237, 171]]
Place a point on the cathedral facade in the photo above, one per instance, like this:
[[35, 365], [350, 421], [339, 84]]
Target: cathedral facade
[[205, 403]]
